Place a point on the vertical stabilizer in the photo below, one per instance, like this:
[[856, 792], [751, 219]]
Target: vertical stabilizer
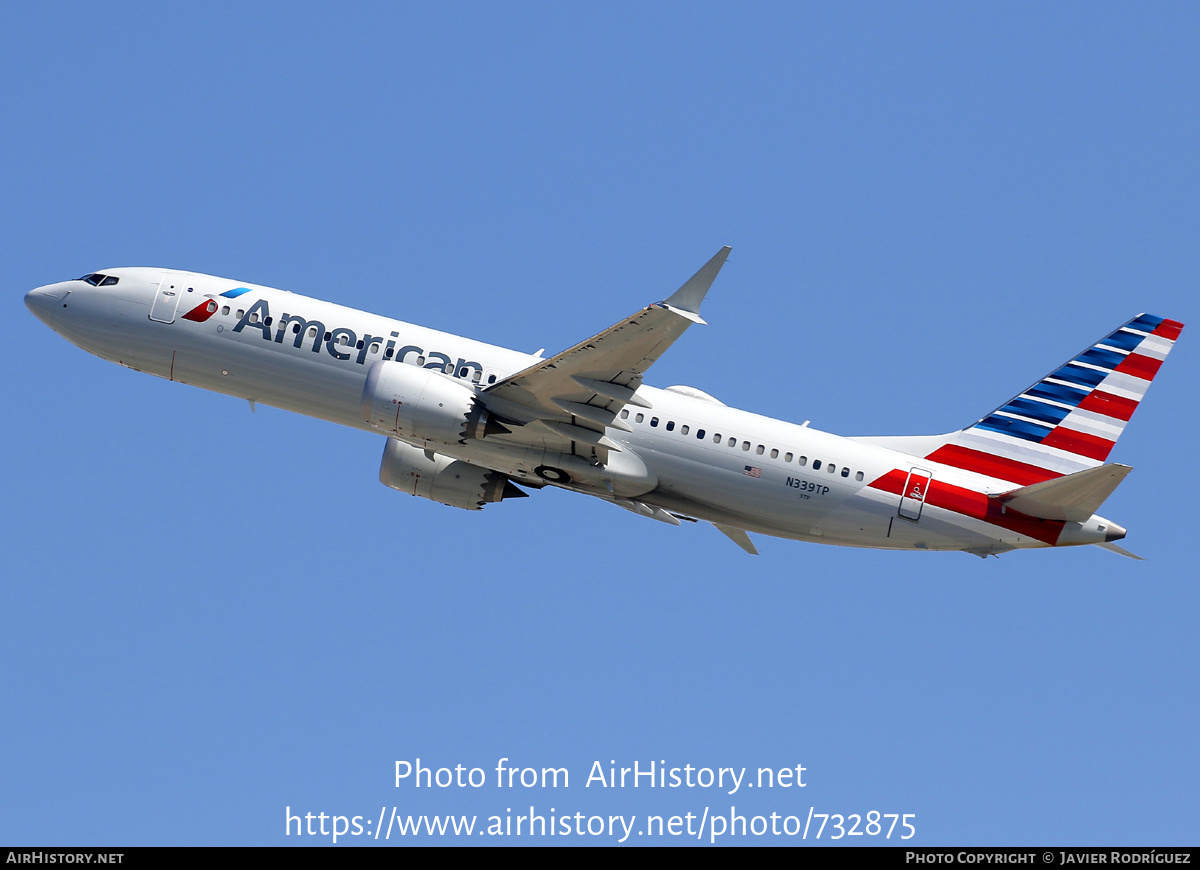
[[1070, 419]]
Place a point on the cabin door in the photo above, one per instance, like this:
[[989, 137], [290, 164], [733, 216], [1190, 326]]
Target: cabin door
[[166, 300], [912, 500]]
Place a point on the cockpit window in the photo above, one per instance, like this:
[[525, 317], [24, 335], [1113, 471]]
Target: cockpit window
[[98, 280]]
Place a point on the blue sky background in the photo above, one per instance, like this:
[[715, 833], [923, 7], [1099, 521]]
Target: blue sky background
[[211, 615]]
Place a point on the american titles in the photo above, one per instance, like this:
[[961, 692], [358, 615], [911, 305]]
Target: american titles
[[345, 344]]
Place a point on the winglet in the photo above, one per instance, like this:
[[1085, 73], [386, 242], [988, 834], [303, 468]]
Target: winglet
[[686, 300]]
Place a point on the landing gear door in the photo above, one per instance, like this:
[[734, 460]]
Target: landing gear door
[[916, 488], [166, 300]]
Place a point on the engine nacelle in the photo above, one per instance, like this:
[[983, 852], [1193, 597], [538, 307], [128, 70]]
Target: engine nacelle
[[423, 405], [450, 481]]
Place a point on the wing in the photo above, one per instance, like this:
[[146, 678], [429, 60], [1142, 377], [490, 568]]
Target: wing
[[566, 402]]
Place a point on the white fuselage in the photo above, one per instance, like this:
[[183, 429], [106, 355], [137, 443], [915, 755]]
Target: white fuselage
[[710, 461]]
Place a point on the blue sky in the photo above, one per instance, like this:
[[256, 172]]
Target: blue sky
[[211, 615]]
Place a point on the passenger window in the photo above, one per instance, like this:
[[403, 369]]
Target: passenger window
[[491, 379], [254, 317], [700, 434], [375, 347], [787, 457], [832, 468], [266, 320], [774, 453], [225, 310], [387, 354], [858, 476], [625, 414], [816, 463], [670, 425], [732, 441], [683, 430], [716, 438], [640, 418], [312, 331], [845, 472], [653, 421], [745, 445], [759, 449], [241, 313]]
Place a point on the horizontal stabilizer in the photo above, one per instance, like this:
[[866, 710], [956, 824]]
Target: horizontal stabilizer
[[1120, 551], [1072, 497]]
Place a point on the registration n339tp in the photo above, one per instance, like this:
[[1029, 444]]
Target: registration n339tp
[[466, 423]]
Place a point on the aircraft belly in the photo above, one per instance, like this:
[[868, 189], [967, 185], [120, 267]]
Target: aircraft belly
[[755, 497], [936, 529], [855, 522]]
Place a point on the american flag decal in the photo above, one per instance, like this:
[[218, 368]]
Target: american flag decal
[[752, 471]]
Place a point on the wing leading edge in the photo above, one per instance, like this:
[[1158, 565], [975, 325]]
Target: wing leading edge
[[573, 396]]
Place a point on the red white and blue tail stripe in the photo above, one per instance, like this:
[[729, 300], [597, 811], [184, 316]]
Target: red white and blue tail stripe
[[1070, 419]]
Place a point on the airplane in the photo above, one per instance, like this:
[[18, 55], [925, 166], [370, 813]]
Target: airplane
[[466, 422]]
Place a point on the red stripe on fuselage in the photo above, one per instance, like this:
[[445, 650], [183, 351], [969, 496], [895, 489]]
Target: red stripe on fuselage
[[1144, 367], [1109, 405], [1080, 443], [990, 464], [975, 505]]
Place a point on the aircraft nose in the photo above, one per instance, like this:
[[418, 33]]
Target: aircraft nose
[[43, 301]]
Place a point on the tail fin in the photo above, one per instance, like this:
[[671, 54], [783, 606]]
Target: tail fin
[[1070, 419]]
